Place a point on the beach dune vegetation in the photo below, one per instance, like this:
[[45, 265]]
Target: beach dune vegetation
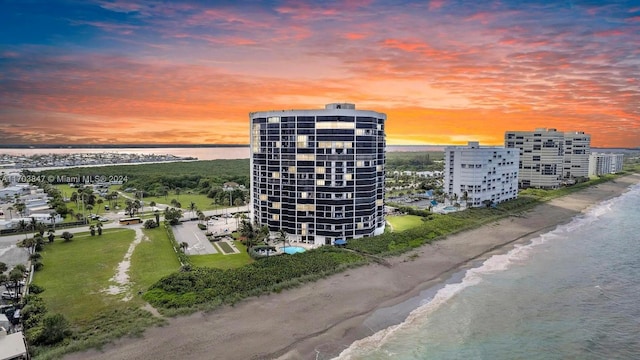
[[206, 288]]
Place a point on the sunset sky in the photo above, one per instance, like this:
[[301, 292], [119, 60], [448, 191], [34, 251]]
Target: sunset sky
[[444, 72]]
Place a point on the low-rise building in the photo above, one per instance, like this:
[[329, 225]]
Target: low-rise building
[[480, 175]]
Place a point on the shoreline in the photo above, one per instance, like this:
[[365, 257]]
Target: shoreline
[[325, 317]]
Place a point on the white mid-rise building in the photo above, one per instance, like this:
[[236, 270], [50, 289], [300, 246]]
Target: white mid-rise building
[[605, 163], [318, 174], [480, 175]]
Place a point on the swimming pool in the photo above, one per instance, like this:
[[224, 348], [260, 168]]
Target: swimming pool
[[449, 208], [292, 249]]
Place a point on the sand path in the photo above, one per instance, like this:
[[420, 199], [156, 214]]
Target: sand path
[[120, 280]]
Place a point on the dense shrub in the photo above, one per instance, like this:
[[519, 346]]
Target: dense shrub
[[215, 286], [35, 289], [150, 224]]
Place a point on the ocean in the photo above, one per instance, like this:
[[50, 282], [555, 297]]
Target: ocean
[[572, 293], [202, 153]]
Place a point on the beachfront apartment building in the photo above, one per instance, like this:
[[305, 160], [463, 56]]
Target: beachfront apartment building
[[319, 175], [577, 147], [478, 176], [548, 156], [605, 163]]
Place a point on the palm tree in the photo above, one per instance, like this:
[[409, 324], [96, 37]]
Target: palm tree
[[465, 198], [52, 218], [15, 276], [38, 242], [20, 208], [23, 226], [184, 246], [99, 226], [99, 202], [41, 228], [10, 208], [249, 232], [129, 207], [114, 197], [238, 216], [283, 236], [30, 244], [192, 207], [33, 223], [92, 229], [200, 215], [51, 236]]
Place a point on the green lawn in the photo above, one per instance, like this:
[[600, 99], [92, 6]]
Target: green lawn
[[222, 261], [153, 259], [75, 273], [202, 201], [404, 222]]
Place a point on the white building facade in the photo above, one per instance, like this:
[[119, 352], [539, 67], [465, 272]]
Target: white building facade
[[319, 174], [577, 148], [548, 156], [480, 175], [605, 163]]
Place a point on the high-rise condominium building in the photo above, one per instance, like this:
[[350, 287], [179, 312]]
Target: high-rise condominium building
[[548, 156], [577, 147], [318, 174], [605, 163], [478, 175]]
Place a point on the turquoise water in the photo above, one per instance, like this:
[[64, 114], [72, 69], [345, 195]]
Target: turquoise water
[[292, 249], [573, 293]]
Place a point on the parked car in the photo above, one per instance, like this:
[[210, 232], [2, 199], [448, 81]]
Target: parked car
[[8, 295], [103, 219], [5, 308]]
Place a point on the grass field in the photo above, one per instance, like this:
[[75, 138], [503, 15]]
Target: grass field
[[202, 201], [75, 273], [153, 259], [404, 222], [222, 261]]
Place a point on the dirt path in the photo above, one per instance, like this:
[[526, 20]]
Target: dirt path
[[120, 280]]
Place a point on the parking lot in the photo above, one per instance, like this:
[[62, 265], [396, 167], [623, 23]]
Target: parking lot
[[197, 241]]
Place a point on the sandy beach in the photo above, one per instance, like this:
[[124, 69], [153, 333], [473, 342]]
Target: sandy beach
[[320, 319]]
